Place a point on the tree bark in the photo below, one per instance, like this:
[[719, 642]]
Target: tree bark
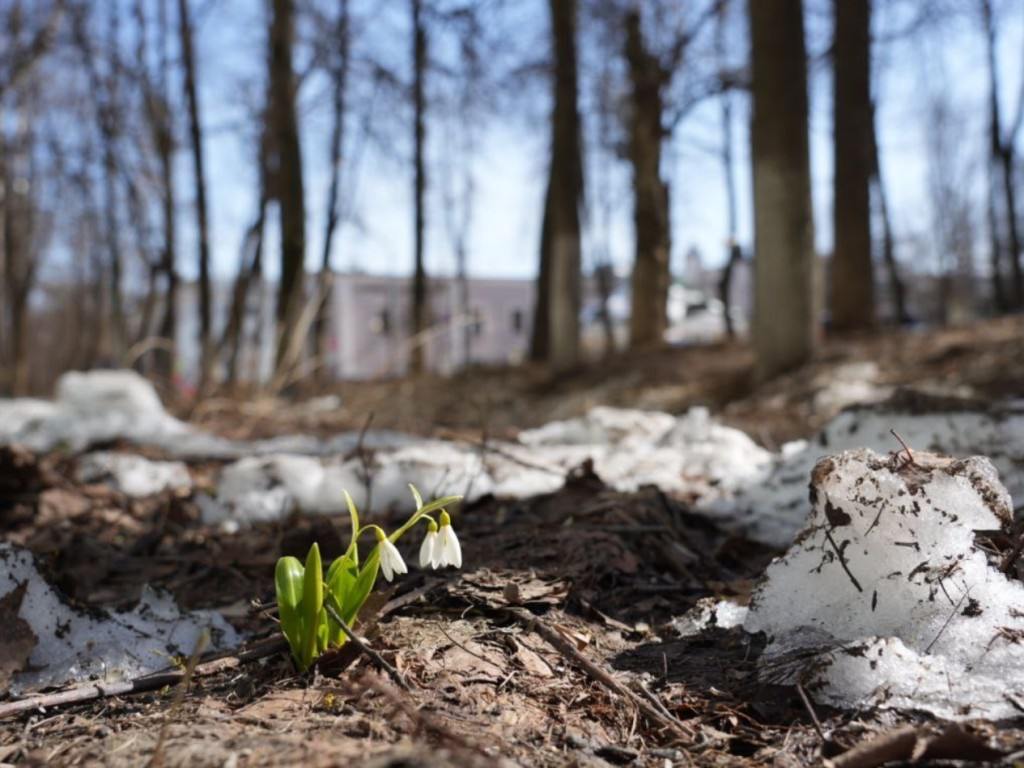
[[165, 147], [288, 187], [339, 77], [651, 269], [1002, 166], [556, 324], [785, 322], [199, 174], [852, 275], [896, 286], [420, 310]]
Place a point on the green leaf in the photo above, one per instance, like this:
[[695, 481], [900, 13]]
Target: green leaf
[[341, 577], [361, 588], [312, 603], [416, 496], [353, 547], [422, 512], [288, 577]]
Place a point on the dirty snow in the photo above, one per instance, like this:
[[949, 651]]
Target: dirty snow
[[774, 510], [691, 454], [134, 475], [745, 487], [709, 613], [889, 588], [74, 645]]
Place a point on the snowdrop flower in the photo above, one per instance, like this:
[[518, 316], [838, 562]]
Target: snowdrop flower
[[391, 561], [429, 547], [446, 549]]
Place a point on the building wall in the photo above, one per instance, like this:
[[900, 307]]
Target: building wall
[[371, 318], [368, 327]]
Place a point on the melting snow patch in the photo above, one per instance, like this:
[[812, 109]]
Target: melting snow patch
[[708, 613], [91, 407], [134, 475], [890, 591], [65, 644], [691, 454], [772, 510]]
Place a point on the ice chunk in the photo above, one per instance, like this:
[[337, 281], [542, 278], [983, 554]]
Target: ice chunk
[[710, 612], [91, 407], [134, 475], [74, 645], [889, 582], [772, 510]]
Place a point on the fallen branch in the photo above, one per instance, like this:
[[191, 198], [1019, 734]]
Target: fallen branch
[[910, 743], [357, 641], [153, 682], [533, 623]]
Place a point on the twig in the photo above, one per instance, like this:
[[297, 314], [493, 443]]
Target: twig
[[375, 657], [842, 560], [948, 619], [152, 682], [364, 460], [906, 448], [911, 743], [534, 623], [810, 711], [179, 695]]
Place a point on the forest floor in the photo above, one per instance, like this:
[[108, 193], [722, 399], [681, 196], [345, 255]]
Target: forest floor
[[552, 646], [983, 361]]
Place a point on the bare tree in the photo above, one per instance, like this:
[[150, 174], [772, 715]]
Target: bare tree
[[338, 70], [420, 309], [556, 328], [651, 269], [952, 210], [158, 116], [26, 43], [287, 186], [852, 275], [199, 180], [734, 255], [784, 329], [1002, 164], [899, 292]]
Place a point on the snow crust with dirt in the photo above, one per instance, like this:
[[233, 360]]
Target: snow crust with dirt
[[927, 620]]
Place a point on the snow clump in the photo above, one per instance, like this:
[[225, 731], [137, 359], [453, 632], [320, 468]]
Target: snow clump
[[68, 644], [894, 592]]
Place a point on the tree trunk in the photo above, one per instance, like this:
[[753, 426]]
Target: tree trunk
[[339, 75], [852, 275], [899, 301], [199, 173], [288, 186], [249, 268], [163, 136], [557, 318], [785, 325], [651, 268], [1008, 164], [420, 310], [1001, 164]]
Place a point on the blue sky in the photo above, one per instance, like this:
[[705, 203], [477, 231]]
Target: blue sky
[[511, 155]]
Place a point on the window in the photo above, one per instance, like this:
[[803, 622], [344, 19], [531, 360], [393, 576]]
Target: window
[[381, 324]]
